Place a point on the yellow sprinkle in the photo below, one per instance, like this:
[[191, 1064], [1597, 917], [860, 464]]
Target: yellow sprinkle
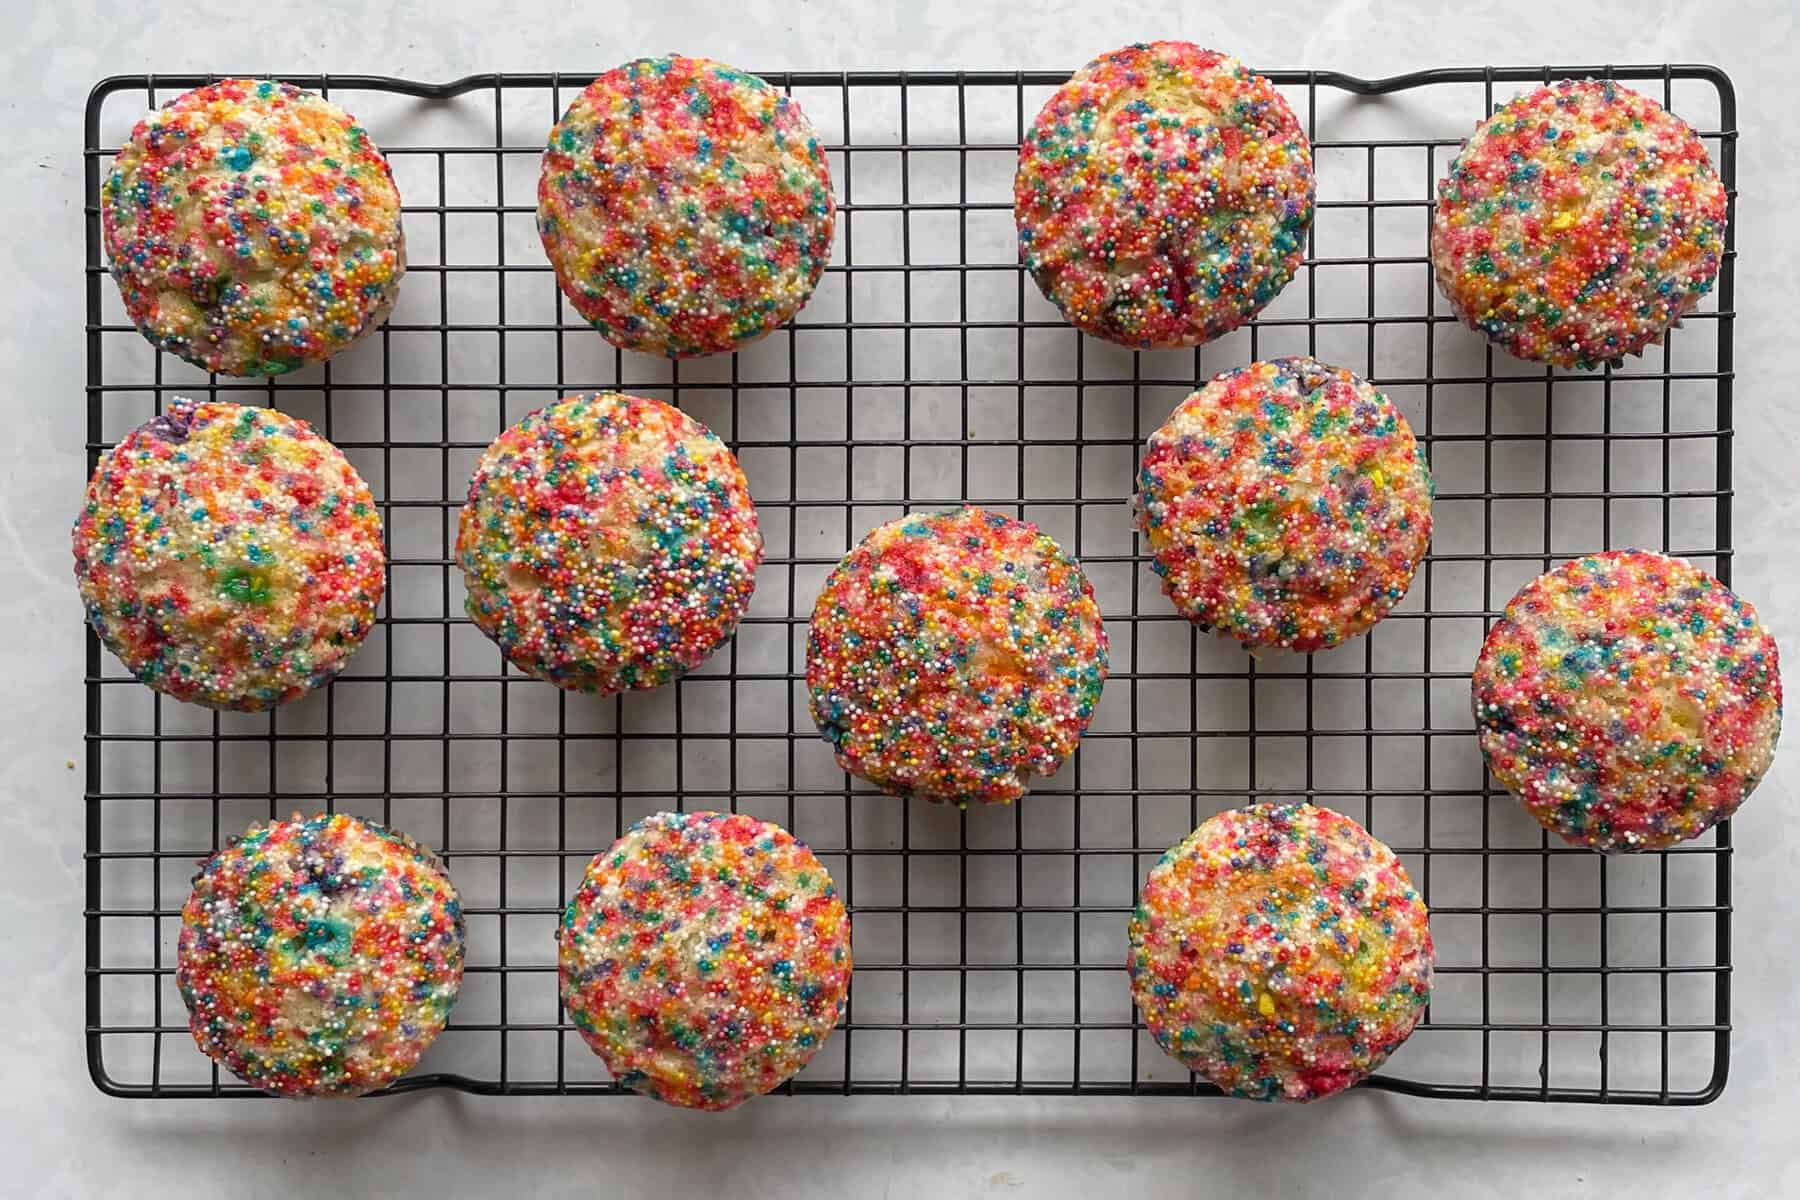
[[1266, 1005]]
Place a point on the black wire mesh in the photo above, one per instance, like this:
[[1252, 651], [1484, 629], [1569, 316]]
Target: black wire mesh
[[927, 370]]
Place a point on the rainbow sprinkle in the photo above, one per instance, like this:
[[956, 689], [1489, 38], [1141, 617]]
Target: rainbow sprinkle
[[253, 228], [1630, 700], [1286, 504], [954, 655], [705, 957], [229, 556], [1163, 195], [608, 542], [1281, 952], [320, 956], [1578, 224], [686, 206]]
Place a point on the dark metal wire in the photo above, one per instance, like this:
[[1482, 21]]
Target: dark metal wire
[[115, 932]]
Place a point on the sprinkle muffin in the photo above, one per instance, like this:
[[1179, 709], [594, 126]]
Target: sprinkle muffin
[[1286, 504], [1163, 196], [1281, 952], [320, 956], [1630, 700], [608, 542], [229, 556], [955, 655], [685, 205], [253, 228], [705, 958], [1578, 224]]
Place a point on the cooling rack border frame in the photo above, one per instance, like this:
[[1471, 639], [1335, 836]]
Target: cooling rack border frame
[[1488, 75]]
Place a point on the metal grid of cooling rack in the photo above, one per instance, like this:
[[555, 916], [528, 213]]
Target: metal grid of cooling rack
[[927, 370]]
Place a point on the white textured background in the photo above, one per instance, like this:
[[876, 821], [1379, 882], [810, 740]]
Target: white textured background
[[66, 1139]]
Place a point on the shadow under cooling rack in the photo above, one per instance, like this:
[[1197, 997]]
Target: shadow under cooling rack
[[927, 371]]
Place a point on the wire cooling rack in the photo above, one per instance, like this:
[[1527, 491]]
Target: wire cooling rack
[[927, 370]]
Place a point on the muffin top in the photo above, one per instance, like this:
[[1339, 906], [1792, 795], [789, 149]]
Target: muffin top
[[1163, 195], [1629, 699], [253, 228], [608, 542], [1281, 952], [230, 556], [705, 957], [1286, 504], [685, 205], [320, 956], [953, 656], [1578, 224]]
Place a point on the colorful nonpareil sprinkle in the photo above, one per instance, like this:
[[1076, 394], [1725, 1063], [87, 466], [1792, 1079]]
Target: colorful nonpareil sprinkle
[[705, 958], [1286, 504], [955, 655], [686, 206], [1281, 952], [253, 228], [320, 956], [229, 556], [1630, 700], [608, 542], [1578, 224], [1163, 195]]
